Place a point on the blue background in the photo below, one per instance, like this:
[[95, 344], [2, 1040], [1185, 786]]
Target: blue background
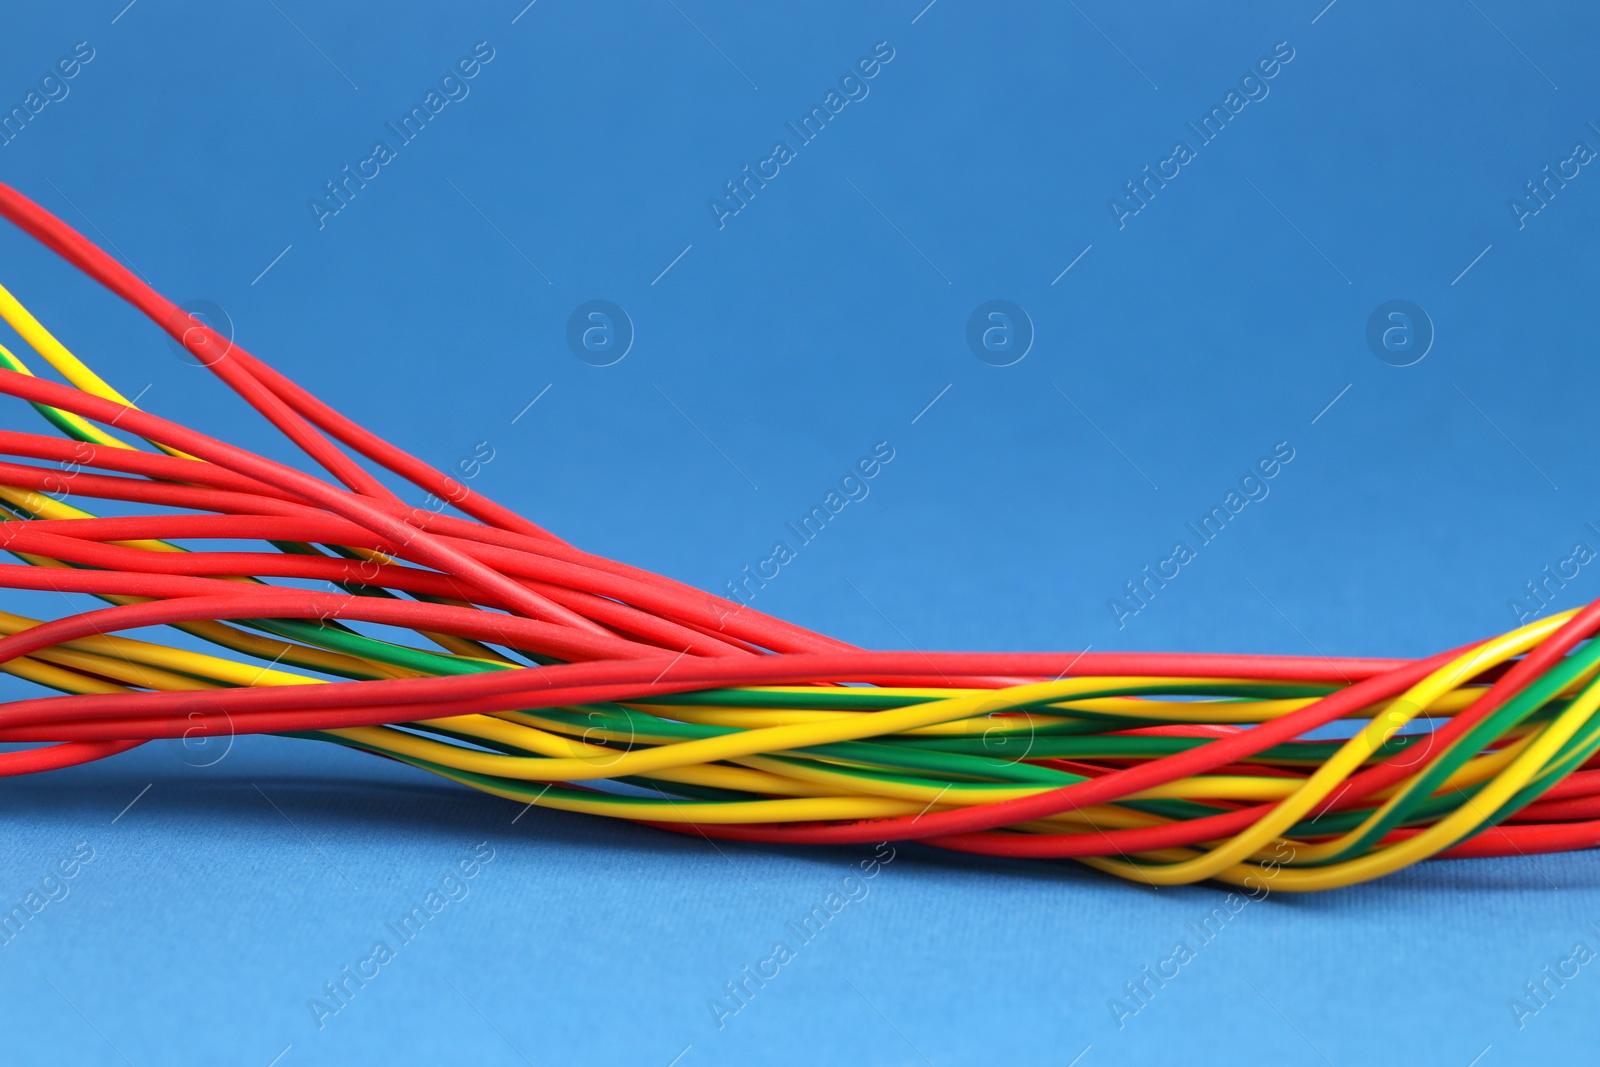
[[1221, 319]]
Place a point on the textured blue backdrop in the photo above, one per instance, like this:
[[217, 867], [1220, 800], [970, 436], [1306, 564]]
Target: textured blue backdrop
[[1179, 331]]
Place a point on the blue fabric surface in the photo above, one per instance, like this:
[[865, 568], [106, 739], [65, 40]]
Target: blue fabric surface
[[1168, 342]]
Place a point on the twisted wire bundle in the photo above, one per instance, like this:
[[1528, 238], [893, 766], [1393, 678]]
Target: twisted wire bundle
[[571, 681]]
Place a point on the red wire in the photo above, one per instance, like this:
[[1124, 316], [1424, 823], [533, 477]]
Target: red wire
[[538, 687], [31, 761], [222, 356], [128, 461]]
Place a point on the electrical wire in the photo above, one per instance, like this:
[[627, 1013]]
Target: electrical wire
[[482, 648]]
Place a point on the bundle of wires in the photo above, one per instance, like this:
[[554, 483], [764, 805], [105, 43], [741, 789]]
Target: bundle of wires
[[544, 674]]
